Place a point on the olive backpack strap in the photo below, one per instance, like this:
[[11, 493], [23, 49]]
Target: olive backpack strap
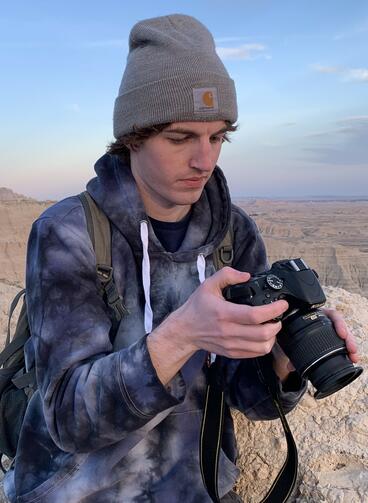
[[224, 254], [99, 230]]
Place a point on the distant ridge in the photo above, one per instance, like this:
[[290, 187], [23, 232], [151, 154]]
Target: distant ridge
[[320, 199], [9, 195]]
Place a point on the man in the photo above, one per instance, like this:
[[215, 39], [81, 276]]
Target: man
[[121, 422]]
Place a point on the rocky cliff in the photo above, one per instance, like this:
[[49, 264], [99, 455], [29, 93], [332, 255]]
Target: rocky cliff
[[8, 195], [16, 217], [331, 434]]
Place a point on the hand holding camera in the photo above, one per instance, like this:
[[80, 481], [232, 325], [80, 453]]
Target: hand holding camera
[[308, 336]]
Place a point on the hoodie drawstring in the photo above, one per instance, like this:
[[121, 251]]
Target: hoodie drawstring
[[201, 268], [146, 277]]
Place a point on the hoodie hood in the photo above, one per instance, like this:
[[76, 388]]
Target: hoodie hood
[[115, 191]]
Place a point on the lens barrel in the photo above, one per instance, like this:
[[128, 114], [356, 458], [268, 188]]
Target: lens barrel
[[333, 374], [317, 352]]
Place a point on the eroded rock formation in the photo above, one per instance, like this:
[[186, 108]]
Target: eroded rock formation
[[331, 434]]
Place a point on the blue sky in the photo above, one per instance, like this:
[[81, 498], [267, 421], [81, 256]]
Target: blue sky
[[301, 72]]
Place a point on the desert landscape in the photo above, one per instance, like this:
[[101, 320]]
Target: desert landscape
[[331, 434], [331, 236]]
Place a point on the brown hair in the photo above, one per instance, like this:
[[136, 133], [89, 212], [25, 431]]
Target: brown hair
[[137, 137]]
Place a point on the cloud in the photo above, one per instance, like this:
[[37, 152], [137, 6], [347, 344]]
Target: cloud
[[353, 155], [319, 134], [243, 52], [288, 124], [347, 74], [271, 145], [346, 143], [331, 132], [357, 124], [355, 120], [326, 69], [357, 75]]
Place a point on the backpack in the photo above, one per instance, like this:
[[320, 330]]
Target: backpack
[[17, 383]]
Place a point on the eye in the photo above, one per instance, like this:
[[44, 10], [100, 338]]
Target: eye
[[177, 141], [217, 139]]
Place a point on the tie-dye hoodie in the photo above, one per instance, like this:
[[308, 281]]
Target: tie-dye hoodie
[[98, 429]]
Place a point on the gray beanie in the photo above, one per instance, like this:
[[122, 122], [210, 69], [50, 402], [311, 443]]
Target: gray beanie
[[173, 74]]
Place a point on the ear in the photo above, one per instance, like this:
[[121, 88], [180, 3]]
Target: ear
[[133, 147]]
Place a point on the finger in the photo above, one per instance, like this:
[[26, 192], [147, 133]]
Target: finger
[[337, 320], [351, 343], [352, 348], [339, 323], [228, 276], [354, 357], [254, 315], [344, 333], [239, 339], [247, 349], [340, 327], [240, 334]]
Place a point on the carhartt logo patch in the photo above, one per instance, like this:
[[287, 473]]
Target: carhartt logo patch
[[205, 99]]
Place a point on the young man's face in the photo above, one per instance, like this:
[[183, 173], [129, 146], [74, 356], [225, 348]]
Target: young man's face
[[172, 167]]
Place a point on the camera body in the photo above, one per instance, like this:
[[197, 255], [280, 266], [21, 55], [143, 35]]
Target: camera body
[[291, 280], [307, 337]]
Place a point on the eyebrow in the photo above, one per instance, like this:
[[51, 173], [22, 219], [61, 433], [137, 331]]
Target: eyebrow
[[189, 131]]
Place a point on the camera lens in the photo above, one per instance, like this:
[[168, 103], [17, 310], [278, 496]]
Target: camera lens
[[333, 374], [317, 352]]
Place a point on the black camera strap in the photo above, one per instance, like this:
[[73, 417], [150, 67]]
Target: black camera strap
[[212, 429]]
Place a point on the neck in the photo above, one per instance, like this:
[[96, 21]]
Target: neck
[[161, 209], [174, 214]]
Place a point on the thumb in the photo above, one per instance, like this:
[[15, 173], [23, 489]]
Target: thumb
[[228, 276]]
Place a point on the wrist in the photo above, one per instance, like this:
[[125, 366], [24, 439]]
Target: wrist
[[281, 363], [174, 333], [169, 349]]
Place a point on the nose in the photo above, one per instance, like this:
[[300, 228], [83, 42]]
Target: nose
[[202, 156]]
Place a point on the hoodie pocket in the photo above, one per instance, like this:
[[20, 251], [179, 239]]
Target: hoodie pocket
[[52, 490]]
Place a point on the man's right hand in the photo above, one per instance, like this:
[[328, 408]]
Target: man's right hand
[[207, 321]]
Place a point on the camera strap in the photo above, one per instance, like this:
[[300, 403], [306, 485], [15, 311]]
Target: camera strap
[[212, 430]]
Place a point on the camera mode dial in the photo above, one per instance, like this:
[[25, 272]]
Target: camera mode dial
[[274, 282]]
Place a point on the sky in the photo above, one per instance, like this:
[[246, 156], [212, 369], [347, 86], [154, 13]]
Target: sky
[[300, 69]]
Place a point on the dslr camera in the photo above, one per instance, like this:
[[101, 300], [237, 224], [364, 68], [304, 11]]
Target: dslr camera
[[307, 337]]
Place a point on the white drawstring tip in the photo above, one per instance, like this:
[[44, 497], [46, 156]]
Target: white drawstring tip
[[146, 278], [201, 268]]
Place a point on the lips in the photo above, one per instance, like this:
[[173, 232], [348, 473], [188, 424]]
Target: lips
[[194, 181]]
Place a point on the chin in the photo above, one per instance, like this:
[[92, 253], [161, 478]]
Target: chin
[[189, 198]]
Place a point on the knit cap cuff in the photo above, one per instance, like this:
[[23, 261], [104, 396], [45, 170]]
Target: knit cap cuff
[[176, 99]]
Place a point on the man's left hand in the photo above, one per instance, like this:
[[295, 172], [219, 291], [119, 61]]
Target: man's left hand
[[282, 364], [343, 332]]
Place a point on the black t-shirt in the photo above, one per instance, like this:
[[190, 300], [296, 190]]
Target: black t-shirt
[[171, 234]]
